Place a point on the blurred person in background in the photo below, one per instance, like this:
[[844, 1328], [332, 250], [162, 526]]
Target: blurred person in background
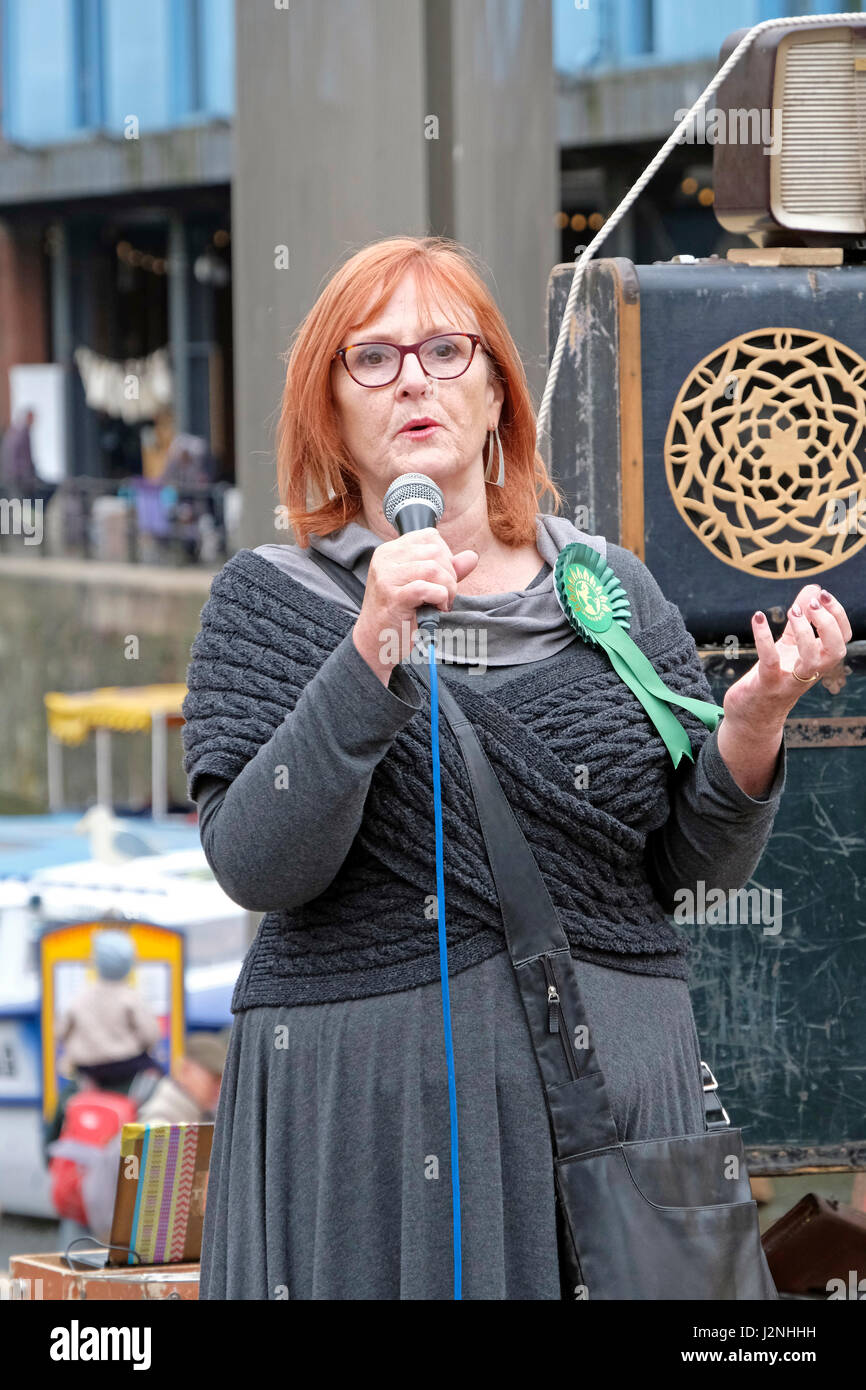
[[106, 1032], [18, 476], [108, 1029], [186, 462], [188, 466], [191, 1093]]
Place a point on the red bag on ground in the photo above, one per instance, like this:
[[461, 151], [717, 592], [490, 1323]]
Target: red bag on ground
[[91, 1119]]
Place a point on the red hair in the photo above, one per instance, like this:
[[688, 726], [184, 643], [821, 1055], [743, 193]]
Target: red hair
[[317, 478]]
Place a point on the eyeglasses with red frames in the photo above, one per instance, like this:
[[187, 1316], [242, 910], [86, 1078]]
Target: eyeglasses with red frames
[[446, 355]]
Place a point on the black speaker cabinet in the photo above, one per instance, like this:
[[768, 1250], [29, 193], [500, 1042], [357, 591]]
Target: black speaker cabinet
[[711, 417], [779, 1002]]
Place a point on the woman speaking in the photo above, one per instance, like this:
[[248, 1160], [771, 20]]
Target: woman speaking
[[307, 750]]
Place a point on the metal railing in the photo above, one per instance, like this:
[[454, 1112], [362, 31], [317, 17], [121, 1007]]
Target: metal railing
[[133, 520]]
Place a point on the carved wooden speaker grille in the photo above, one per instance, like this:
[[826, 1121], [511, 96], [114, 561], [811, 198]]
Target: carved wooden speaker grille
[[765, 452]]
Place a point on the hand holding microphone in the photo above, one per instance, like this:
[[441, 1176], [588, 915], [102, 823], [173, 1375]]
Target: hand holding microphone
[[411, 578]]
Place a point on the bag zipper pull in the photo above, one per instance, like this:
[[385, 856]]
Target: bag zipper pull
[[552, 1012]]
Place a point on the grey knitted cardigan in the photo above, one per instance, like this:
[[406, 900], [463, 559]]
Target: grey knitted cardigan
[[263, 636]]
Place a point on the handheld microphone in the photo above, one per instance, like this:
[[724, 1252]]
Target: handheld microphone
[[412, 503]]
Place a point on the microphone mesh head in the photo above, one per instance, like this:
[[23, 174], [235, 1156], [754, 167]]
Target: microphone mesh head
[[412, 487]]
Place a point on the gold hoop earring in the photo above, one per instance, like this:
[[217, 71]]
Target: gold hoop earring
[[488, 471]]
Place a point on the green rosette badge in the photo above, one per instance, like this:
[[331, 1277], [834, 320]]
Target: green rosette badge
[[596, 605]]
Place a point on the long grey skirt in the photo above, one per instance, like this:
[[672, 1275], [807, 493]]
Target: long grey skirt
[[330, 1171]]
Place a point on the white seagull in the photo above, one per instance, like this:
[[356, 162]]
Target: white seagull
[[110, 843]]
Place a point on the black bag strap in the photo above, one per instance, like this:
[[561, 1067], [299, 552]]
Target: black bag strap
[[343, 578], [514, 867]]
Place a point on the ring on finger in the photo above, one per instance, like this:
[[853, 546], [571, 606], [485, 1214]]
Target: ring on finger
[[806, 680]]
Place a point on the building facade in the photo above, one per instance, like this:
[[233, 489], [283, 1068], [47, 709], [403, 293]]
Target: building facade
[[115, 176], [180, 176], [626, 71]]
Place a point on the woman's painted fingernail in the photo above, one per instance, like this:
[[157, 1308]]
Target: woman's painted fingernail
[[825, 597], [796, 610], [814, 603], [758, 617]]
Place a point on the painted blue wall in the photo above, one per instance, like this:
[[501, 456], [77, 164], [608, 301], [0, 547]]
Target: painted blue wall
[[73, 66], [593, 34], [69, 66]]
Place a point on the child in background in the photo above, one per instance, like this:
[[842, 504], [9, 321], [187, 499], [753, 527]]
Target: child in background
[[108, 1028]]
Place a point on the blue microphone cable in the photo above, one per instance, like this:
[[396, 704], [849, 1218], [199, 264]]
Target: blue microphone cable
[[443, 966]]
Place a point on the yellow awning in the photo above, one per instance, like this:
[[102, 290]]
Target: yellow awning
[[127, 709]]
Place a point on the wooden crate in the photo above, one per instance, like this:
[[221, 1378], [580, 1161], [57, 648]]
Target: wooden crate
[[138, 1283]]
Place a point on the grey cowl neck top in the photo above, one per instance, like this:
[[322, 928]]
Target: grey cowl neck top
[[520, 626]]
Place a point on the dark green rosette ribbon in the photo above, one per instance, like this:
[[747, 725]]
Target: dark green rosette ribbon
[[596, 605]]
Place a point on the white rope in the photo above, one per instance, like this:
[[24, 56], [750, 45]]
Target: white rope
[[800, 21]]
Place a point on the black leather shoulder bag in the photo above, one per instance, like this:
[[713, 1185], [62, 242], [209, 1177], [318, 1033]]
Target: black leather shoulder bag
[[668, 1218]]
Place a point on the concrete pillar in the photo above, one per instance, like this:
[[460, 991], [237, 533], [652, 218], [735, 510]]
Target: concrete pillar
[[178, 319], [506, 159], [332, 151], [62, 335], [74, 319]]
